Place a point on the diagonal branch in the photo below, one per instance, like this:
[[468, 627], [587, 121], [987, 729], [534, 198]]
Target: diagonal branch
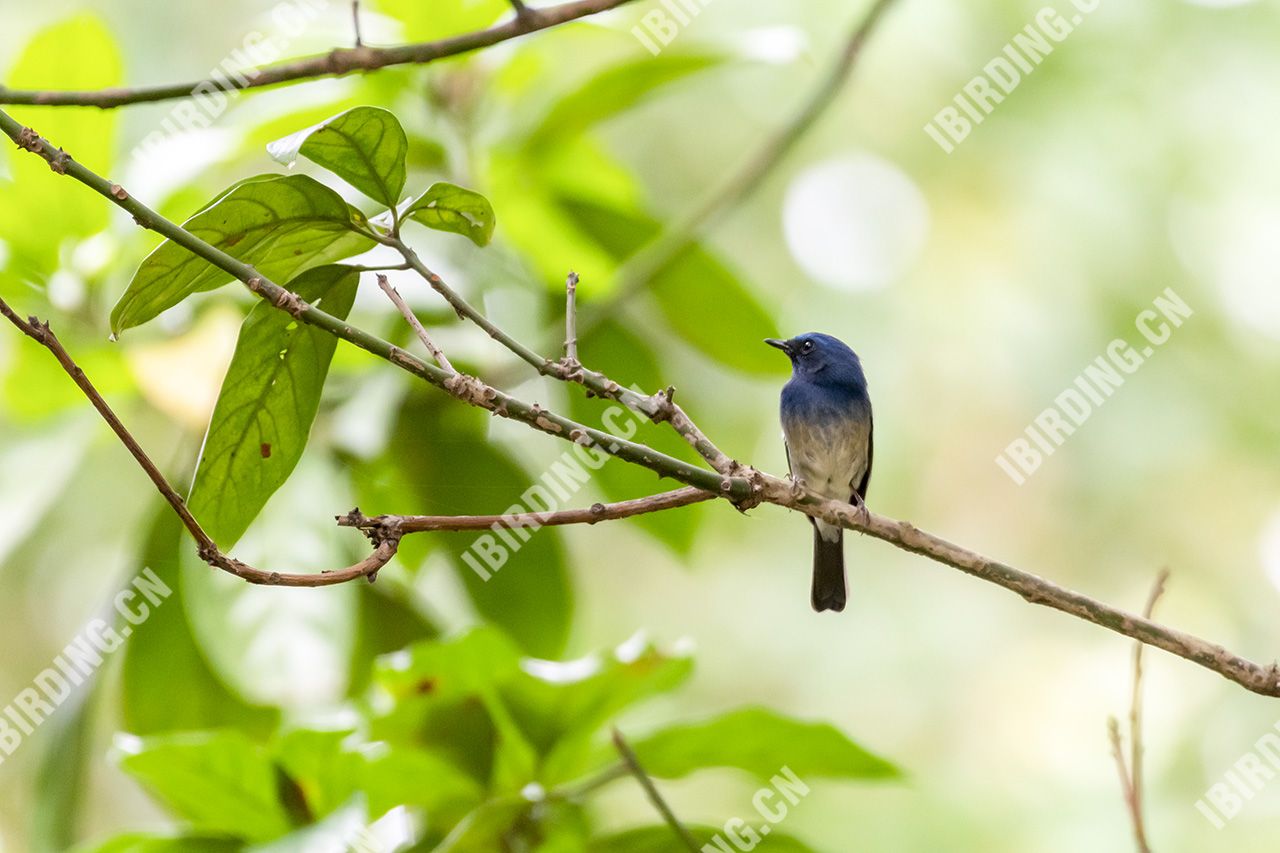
[[744, 486], [335, 63], [658, 407], [385, 547], [651, 791], [415, 324]]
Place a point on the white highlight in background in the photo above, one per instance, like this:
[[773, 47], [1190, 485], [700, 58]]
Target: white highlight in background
[[855, 223]]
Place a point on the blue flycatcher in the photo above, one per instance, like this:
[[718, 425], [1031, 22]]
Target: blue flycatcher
[[827, 427]]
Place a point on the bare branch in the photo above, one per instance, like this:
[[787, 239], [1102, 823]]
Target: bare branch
[[355, 22], [384, 526], [651, 791], [1131, 774], [742, 485], [332, 64], [412, 319], [385, 547]]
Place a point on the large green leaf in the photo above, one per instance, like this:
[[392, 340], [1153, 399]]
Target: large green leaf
[[268, 401], [661, 839], [290, 648], [562, 705], [218, 782], [161, 653], [282, 224], [692, 287], [762, 743], [448, 207], [612, 92], [364, 146], [472, 667], [78, 53], [456, 470]]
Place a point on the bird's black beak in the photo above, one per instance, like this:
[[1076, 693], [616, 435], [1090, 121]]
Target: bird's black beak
[[782, 345]]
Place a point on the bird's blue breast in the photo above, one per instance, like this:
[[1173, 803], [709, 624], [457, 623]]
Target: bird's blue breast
[[828, 431]]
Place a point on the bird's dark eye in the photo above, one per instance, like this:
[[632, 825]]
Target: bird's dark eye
[[806, 347]]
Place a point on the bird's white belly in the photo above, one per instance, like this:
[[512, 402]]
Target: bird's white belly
[[830, 459]]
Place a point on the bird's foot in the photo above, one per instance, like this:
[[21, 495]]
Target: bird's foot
[[797, 487], [860, 510]]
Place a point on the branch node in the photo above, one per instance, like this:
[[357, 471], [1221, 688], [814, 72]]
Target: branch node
[[58, 162], [29, 140]]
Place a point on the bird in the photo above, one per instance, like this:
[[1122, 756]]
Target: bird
[[827, 431]]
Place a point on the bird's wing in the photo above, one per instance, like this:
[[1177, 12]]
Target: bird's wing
[[871, 452]]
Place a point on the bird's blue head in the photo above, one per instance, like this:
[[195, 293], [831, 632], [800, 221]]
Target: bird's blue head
[[822, 359]]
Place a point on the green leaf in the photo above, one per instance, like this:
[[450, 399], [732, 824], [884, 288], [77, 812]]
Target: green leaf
[[323, 770], [219, 782], [161, 653], [612, 92], [291, 648], [447, 207], [484, 830], [268, 401], [409, 776], [282, 224], [389, 621], [762, 743], [661, 839], [473, 666], [78, 53], [137, 842], [690, 289], [456, 470], [561, 705], [364, 146]]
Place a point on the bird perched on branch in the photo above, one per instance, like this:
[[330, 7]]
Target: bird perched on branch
[[827, 427]]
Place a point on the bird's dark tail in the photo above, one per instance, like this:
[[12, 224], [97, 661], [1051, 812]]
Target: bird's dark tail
[[829, 591]]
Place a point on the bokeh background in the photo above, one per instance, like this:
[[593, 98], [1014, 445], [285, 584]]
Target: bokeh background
[[975, 286]]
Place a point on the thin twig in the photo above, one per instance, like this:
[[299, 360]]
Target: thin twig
[[658, 407], [651, 791], [655, 256], [403, 525], [355, 22], [744, 486], [385, 548], [334, 63], [412, 319], [571, 321], [1131, 774]]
